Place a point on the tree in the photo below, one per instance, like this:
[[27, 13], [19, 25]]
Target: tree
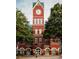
[[53, 26], [23, 31]]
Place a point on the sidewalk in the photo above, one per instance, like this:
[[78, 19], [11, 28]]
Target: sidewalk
[[39, 57]]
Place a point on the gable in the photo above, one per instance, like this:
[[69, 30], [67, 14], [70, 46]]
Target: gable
[[36, 3]]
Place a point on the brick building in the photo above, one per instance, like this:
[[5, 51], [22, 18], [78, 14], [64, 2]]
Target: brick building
[[43, 46]]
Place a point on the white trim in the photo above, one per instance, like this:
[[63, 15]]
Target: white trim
[[40, 49], [46, 48], [28, 48], [21, 49], [53, 48]]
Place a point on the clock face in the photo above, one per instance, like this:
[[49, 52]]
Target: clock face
[[38, 11]]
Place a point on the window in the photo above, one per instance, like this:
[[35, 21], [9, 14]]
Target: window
[[40, 21], [36, 31], [36, 40], [40, 39], [37, 21], [40, 31], [34, 21]]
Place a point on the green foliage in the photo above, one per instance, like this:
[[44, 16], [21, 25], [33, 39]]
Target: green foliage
[[53, 26], [23, 31]]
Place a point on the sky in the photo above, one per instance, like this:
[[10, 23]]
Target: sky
[[26, 7]]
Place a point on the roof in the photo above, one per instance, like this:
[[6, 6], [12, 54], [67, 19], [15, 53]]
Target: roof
[[38, 2]]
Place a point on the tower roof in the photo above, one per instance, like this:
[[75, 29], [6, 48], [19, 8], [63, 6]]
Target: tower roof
[[38, 2]]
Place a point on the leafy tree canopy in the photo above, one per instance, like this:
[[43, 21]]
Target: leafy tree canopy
[[23, 31], [53, 26]]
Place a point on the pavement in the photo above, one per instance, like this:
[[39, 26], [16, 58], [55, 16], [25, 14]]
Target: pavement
[[39, 57]]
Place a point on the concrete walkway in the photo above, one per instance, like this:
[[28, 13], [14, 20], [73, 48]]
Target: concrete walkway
[[40, 57]]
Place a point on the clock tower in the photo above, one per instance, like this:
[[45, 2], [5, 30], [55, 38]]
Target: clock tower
[[38, 23]]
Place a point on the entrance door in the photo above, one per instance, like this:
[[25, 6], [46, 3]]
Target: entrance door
[[28, 52], [37, 51], [21, 51], [53, 51], [47, 50]]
